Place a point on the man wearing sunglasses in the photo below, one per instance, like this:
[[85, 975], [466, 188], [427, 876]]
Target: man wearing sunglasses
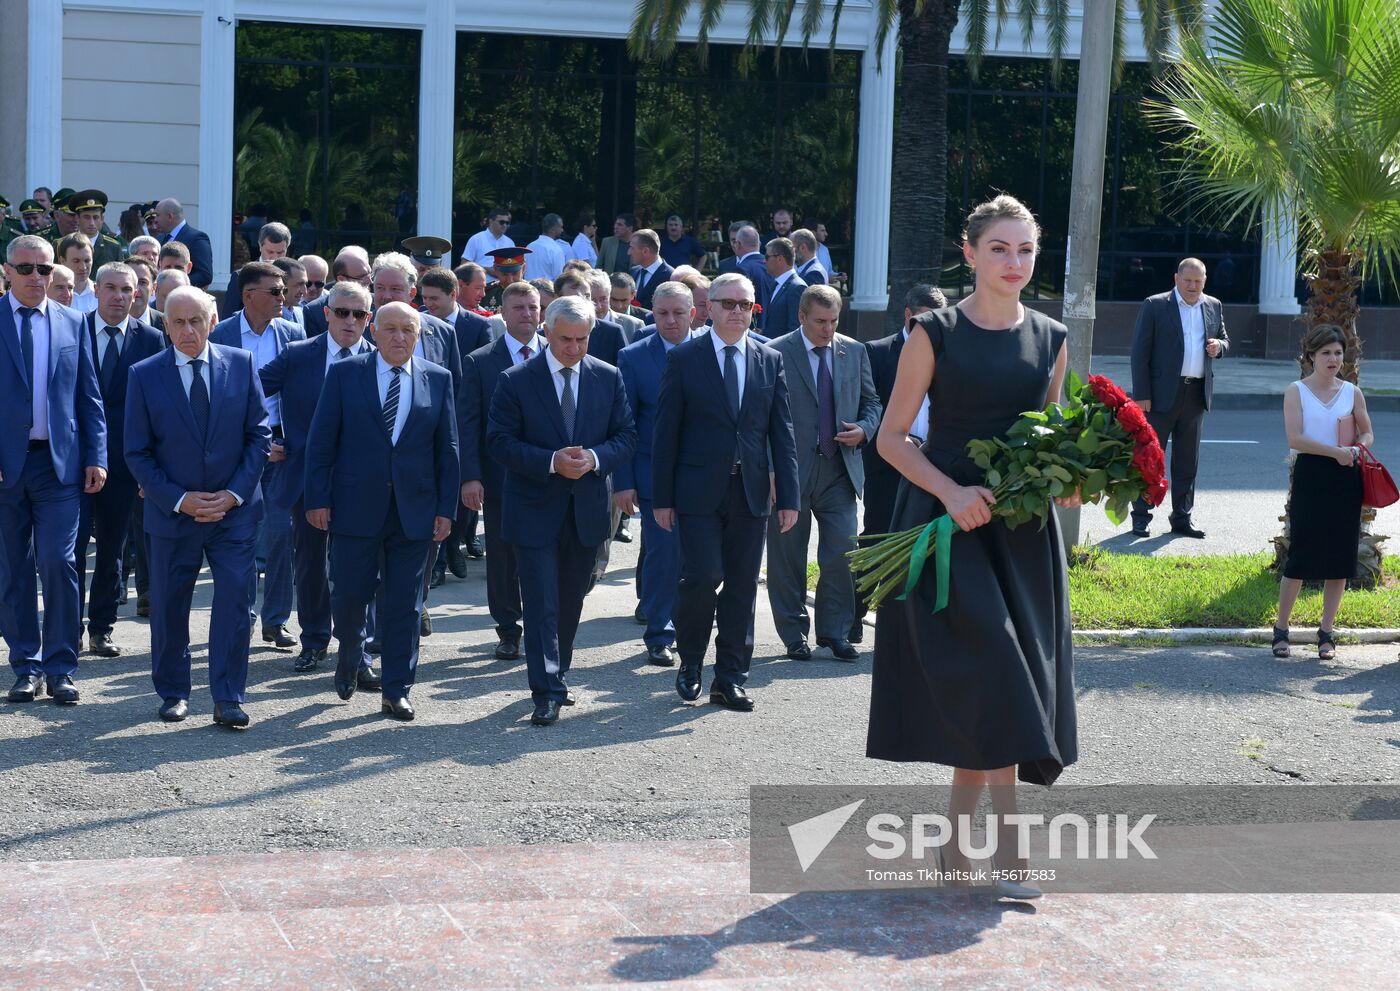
[[492, 236], [53, 448], [351, 264], [316, 276], [296, 376], [260, 328]]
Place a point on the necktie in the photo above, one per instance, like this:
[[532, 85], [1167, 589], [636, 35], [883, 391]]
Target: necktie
[[199, 398], [566, 403], [826, 405], [342, 353], [525, 353], [731, 379], [26, 343], [391, 402], [110, 357]]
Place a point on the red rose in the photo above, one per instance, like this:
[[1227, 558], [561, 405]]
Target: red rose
[[1131, 417], [1106, 392]]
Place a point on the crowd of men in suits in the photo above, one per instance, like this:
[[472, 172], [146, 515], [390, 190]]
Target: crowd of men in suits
[[347, 426]]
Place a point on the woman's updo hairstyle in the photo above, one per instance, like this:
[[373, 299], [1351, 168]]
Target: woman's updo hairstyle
[[1317, 339], [1002, 207]]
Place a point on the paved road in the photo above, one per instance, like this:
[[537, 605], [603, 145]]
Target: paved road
[[106, 779]]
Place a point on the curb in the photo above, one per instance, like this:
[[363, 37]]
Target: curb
[[1199, 634]]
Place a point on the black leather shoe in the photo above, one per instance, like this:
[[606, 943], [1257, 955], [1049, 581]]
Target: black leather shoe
[[439, 576], [799, 651], [230, 714], [372, 647], [1140, 530], [1187, 530], [640, 616], [278, 636], [101, 645], [569, 698], [425, 623], [26, 688], [842, 650], [143, 605], [456, 560], [398, 708], [62, 690], [308, 659], [546, 713], [508, 649], [688, 683], [475, 548], [174, 710], [857, 634], [731, 697], [623, 535], [368, 678], [346, 669], [662, 657]]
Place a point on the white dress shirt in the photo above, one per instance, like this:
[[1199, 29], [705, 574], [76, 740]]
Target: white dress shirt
[[178, 228], [557, 378], [384, 372], [333, 350], [515, 347], [105, 340], [647, 273], [919, 428], [813, 358], [38, 383], [186, 370], [264, 349], [741, 358], [583, 249], [780, 281], [85, 301], [547, 258], [1193, 329], [480, 243]]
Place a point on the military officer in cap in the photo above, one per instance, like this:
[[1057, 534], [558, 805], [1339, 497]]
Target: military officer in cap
[[34, 215], [65, 221], [427, 252], [10, 228], [91, 206], [510, 265], [149, 221]]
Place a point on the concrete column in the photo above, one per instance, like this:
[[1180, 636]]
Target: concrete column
[[436, 120], [43, 130], [216, 151], [1278, 264], [874, 162]]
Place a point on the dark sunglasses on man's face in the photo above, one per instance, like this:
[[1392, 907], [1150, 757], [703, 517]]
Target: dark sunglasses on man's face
[[279, 291], [743, 304], [315, 285], [346, 314], [28, 268]]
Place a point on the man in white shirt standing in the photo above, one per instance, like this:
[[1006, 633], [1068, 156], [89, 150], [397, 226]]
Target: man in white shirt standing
[[549, 255], [1178, 336], [492, 236]]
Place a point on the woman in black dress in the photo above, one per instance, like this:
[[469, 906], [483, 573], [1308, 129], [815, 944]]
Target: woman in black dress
[[986, 685]]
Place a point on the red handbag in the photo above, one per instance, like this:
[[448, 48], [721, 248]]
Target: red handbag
[[1377, 487]]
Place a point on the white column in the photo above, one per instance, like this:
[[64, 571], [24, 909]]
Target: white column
[[437, 90], [216, 151], [43, 160], [1278, 263], [874, 161]]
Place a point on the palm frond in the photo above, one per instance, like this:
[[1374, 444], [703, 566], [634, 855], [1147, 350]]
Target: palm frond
[[977, 15]]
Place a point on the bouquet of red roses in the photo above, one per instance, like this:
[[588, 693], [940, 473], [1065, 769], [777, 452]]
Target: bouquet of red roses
[[1097, 442]]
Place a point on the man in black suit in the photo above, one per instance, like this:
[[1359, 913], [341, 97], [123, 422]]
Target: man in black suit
[[118, 340], [782, 315], [723, 456], [351, 264], [482, 474], [881, 479], [649, 270], [607, 338], [559, 424], [1178, 336], [171, 217], [731, 264], [752, 265], [809, 266]]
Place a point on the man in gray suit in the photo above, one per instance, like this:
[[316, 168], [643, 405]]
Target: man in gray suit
[[835, 412], [1178, 336]]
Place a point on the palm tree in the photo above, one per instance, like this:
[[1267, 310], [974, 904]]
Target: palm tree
[[1293, 108], [920, 174]]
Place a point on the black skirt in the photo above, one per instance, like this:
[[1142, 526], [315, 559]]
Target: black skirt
[[1324, 519]]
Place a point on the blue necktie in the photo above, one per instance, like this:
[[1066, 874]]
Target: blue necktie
[[108, 371], [199, 399], [566, 403], [826, 405], [391, 402], [26, 344], [731, 379]]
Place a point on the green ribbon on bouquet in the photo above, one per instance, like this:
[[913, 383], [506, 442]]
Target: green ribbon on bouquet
[[940, 531]]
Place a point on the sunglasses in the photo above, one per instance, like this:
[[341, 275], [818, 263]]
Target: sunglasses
[[315, 285], [729, 304], [28, 268], [279, 292], [344, 313]]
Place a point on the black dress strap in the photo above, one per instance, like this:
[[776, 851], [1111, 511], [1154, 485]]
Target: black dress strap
[[935, 324]]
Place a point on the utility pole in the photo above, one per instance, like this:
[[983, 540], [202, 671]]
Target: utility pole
[[1086, 198]]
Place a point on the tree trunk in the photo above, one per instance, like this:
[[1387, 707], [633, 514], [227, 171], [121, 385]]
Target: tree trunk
[[920, 174]]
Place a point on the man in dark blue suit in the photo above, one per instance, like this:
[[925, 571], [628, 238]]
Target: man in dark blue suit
[[809, 266], [351, 264], [607, 340], [297, 376], [642, 365], [560, 425], [259, 328], [649, 270], [196, 442], [482, 474], [752, 265], [781, 315], [171, 217], [723, 426], [53, 448], [117, 341], [382, 478]]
